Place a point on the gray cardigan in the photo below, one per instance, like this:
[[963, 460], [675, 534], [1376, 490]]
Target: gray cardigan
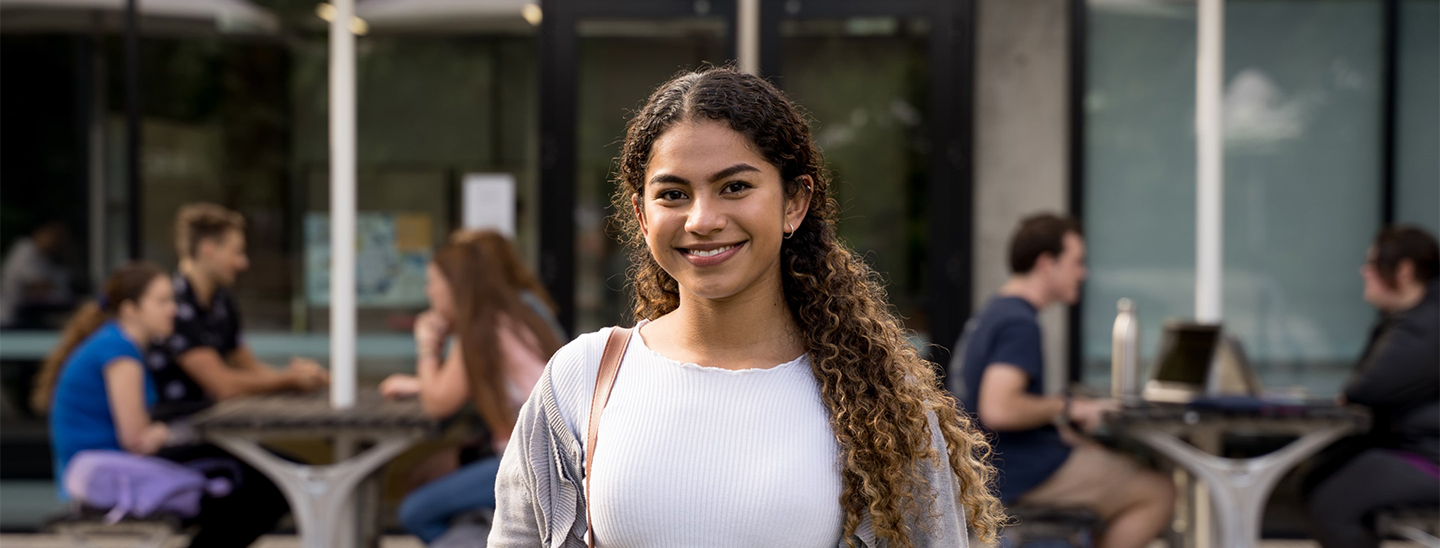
[[540, 492]]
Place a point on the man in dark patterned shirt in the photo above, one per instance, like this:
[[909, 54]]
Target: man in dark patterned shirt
[[206, 359]]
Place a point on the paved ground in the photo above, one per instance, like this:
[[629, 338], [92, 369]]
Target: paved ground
[[290, 541]]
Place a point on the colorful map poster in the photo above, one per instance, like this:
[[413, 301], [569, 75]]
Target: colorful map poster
[[391, 253]]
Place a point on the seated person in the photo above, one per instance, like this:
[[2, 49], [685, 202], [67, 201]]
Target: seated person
[[35, 277], [206, 359], [98, 395], [498, 345], [1001, 365], [1397, 462]]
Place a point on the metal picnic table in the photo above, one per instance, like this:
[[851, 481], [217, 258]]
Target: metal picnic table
[[1238, 487], [319, 495]]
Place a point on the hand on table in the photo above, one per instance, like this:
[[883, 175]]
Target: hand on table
[[1089, 414], [399, 386], [307, 375]]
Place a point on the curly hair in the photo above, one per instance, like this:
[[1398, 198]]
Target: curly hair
[[879, 392]]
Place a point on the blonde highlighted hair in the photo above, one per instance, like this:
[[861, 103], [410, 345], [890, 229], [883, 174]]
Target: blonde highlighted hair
[[195, 223]]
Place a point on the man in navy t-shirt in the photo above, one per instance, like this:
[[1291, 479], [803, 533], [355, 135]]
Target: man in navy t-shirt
[[998, 375]]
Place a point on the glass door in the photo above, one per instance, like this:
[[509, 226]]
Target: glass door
[[599, 60], [886, 85]]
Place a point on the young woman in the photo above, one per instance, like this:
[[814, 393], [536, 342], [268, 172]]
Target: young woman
[[1397, 462], [498, 347], [98, 395], [94, 384], [768, 396]]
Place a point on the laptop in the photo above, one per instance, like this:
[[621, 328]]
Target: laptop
[[1198, 360]]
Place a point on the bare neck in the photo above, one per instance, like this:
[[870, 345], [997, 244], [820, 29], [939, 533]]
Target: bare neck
[[135, 333], [1410, 296], [751, 330], [1028, 288], [200, 284]]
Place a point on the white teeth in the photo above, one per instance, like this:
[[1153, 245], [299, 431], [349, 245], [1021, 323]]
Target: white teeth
[[712, 252]]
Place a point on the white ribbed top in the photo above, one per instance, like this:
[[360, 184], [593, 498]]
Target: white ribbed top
[[701, 456]]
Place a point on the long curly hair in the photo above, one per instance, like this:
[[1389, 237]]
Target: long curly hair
[[878, 390]]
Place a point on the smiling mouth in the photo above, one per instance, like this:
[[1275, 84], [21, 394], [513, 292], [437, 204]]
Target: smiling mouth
[[710, 252], [710, 257]]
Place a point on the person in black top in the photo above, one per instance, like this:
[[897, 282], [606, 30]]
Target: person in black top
[[206, 359], [1397, 462]]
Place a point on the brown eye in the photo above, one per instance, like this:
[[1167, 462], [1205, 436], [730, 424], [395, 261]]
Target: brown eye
[[736, 187]]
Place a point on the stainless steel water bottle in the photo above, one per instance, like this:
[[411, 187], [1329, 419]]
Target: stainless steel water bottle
[[1125, 353]]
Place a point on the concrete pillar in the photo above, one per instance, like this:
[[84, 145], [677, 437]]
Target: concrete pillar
[[1021, 140]]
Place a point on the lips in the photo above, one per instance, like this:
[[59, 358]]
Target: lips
[[710, 255]]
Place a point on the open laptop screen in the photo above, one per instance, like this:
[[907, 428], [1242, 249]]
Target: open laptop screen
[[1186, 353]]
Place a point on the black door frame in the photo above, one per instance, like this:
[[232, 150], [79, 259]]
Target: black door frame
[[950, 185], [559, 95]]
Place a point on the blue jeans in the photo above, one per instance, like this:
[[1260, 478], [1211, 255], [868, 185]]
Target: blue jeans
[[427, 511]]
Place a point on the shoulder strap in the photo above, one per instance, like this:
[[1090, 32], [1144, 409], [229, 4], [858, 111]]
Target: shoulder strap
[[604, 381]]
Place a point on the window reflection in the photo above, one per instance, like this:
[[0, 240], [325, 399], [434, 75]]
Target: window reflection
[[1302, 105], [863, 81]]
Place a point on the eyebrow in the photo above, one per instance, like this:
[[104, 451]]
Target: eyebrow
[[722, 174]]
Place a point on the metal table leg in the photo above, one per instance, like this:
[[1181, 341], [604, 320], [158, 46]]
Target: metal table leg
[[1239, 488], [346, 529], [318, 495]]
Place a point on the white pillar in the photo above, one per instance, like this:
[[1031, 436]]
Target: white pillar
[[747, 35], [1210, 161], [342, 206]]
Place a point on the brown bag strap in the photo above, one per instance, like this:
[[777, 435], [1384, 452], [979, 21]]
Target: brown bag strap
[[609, 368]]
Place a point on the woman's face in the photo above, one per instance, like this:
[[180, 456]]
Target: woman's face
[[155, 311], [437, 290], [713, 210], [1379, 294]]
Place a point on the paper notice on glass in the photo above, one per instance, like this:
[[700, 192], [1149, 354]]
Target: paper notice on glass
[[489, 202]]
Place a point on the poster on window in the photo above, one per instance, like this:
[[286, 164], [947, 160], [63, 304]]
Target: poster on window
[[489, 202], [391, 252]]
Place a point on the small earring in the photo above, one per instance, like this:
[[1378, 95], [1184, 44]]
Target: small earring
[[791, 233]]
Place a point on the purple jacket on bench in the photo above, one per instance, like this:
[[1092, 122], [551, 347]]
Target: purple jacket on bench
[[139, 486]]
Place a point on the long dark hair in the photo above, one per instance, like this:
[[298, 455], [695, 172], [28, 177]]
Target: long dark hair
[[479, 283], [879, 392], [127, 283]]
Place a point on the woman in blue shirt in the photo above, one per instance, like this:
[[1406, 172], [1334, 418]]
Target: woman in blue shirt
[[93, 383]]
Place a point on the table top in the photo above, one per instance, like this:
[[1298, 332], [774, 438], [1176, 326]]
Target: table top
[[1264, 416], [372, 413]]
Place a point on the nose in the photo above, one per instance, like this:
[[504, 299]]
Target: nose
[[705, 216]]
